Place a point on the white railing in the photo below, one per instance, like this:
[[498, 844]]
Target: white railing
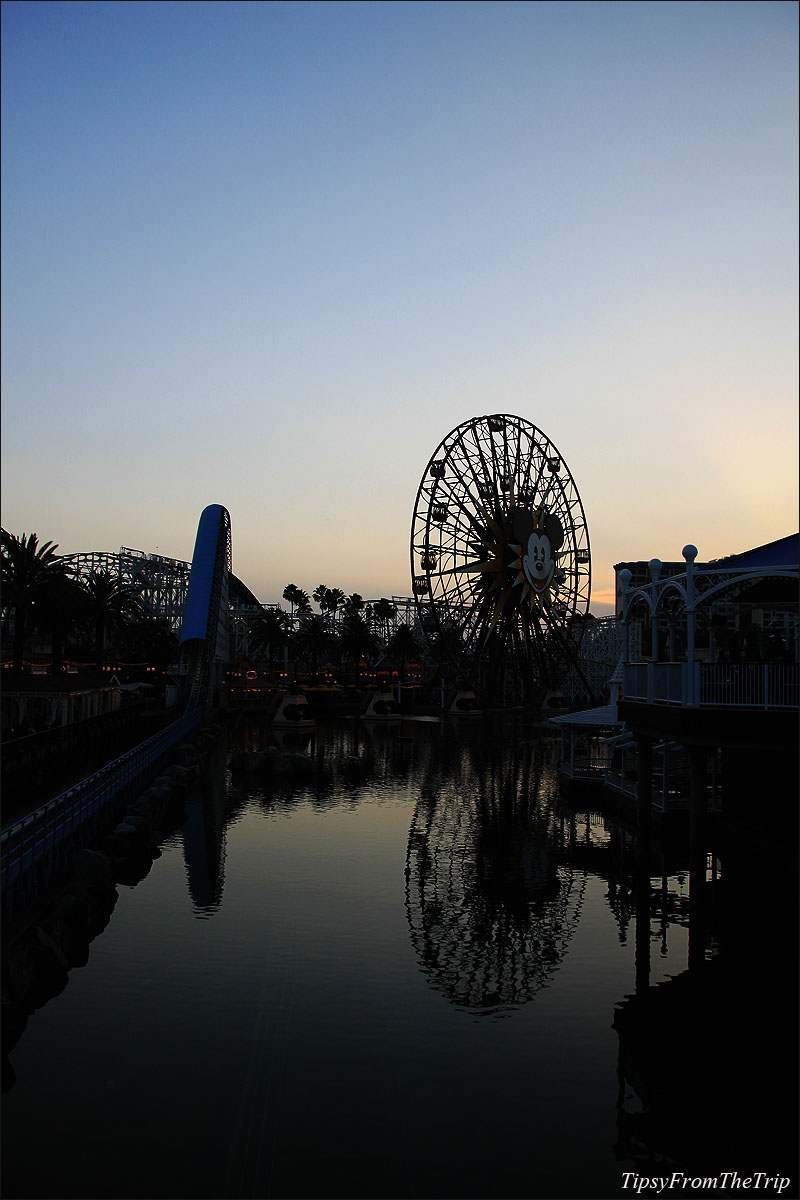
[[592, 767], [655, 682], [634, 681], [621, 781], [668, 682], [717, 685], [753, 685]]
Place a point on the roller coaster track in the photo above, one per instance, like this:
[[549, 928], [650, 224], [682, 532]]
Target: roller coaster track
[[161, 583], [39, 846], [204, 638]]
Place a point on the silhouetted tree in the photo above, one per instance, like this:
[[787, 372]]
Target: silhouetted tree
[[402, 645], [58, 610], [353, 604], [148, 639], [270, 632], [291, 593], [357, 640], [109, 604], [314, 639], [320, 594], [336, 598], [383, 610], [27, 568]]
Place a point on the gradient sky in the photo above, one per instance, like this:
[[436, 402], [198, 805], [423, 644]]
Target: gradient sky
[[269, 255]]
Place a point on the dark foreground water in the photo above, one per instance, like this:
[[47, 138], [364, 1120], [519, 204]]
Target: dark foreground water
[[406, 976]]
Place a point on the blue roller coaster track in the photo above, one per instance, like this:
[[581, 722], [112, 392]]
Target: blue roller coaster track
[[39, 846], [204, 642]]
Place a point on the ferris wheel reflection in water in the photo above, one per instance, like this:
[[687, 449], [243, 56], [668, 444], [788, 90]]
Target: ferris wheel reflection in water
[[491, 903]]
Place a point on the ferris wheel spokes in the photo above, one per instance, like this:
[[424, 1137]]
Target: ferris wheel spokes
[[500, 555]]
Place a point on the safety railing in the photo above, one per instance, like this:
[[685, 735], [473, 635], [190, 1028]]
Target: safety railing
[[721, 685], [590, 768], [655, 682], [38, 846], [751, 685]]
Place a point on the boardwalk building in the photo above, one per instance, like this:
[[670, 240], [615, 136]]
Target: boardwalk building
[[709, 709]]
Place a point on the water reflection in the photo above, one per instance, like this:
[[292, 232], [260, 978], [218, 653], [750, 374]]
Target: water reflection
[[496, 865], [490, 907], [203, 836], [324, 763], [707, 1058], [325, 1032]]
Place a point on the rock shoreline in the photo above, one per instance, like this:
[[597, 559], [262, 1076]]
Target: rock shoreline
[[36, 966]]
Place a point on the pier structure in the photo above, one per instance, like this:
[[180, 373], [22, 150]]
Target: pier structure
[[698, 744], [709, 657], [722, 668], [724, 696], [702, 720]]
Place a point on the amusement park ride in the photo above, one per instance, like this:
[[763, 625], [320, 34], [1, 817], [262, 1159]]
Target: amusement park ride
[[500, 568], [500, 560]]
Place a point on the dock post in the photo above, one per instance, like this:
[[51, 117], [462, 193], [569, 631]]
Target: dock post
[[697, 856], [644, 829], [690, 554], [644, 797]]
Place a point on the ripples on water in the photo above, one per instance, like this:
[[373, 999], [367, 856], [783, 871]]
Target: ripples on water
[[404, 973]]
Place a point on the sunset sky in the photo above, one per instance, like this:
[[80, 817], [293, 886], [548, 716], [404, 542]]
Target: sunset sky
[[268, 255]]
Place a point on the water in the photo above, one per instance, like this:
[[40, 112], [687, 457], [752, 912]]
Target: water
[[394, 978]]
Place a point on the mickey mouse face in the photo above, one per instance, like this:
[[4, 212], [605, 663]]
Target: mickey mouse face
[[538, 564]]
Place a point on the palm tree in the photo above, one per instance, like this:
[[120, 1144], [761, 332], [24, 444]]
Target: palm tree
[[269, 632], [335, 599], [326, 599], [150, 639], [26, 571], [402, 645], [291, 593], [383, 610], [357, 640], [59, 607], [109, 604], [303, 601], [353, 604], [314, 639]]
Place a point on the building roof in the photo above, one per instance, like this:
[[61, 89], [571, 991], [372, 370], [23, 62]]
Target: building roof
[[590, 718], [785, 552]]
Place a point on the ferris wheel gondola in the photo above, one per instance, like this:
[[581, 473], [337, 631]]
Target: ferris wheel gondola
[[500, 559]]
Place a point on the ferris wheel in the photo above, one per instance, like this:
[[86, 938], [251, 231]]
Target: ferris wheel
[[500, 559]]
